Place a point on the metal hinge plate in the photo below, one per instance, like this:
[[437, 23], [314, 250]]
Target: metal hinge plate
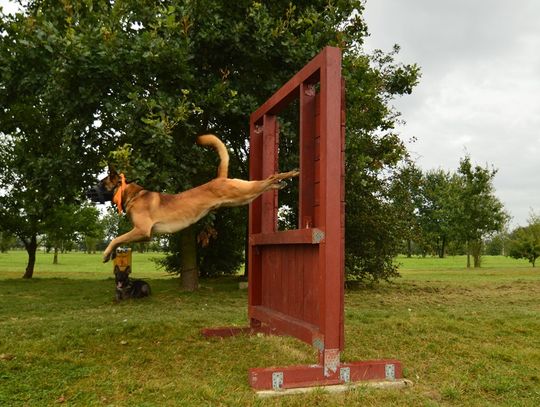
[[277, 380], [390, 371], [345, 374]]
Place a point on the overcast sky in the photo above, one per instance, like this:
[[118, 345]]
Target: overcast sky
[[480, 87]]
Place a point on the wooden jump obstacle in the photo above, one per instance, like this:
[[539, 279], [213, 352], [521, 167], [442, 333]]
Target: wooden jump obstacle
[[296, 277]]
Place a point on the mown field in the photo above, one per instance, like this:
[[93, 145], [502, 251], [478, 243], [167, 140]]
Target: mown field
[[465, 337]]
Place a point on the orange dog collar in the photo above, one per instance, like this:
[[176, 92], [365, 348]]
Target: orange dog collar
[[117, 198]]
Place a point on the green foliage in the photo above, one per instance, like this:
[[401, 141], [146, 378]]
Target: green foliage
[[67, 222], [525, 241], [437, 210], [497, 244], [458, 209], [7, 241], [479, 211], [375, 226], [50, 141], [142, 79], [406, 190]]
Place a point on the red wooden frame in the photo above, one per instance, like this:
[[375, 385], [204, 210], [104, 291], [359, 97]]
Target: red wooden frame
[[296, 276]]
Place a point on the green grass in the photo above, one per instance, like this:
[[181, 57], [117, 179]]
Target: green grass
[[74, 265], [459, 263], [465, 338]]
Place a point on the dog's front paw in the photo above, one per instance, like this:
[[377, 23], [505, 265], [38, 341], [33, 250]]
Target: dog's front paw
[[108, 256]]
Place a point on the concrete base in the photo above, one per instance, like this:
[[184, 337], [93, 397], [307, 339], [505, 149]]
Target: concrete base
[[338, 388]]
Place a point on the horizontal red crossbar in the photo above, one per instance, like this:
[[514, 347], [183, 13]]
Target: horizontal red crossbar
[[285, 324], [297, 236], [289, 377]]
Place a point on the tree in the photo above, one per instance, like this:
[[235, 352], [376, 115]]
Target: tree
[[200, 75], [407, 193], [497, 245], [439, 191], [374, 227], [49, 138], [479, 212], [65, 222], [7, 241], [147, 77], [525, 241]]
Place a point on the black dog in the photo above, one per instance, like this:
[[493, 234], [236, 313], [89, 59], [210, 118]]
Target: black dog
[[127, 288]]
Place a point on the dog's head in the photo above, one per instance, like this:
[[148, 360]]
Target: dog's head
[[104, 190], [121, 278]]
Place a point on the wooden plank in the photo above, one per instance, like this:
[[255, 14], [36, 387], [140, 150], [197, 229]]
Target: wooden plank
[[266, 276], [295, 282], [311, 286], [278, 293], [285, 324], [332, 280], [269, 153], [286, 237], [255, 216], [307, 155], [288, 92], [314, 375]]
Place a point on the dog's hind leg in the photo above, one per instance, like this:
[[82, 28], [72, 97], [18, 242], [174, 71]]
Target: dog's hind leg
[[276, 181], [134, 235], [247, 191]]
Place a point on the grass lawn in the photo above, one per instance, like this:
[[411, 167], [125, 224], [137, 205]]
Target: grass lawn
[[465, 337]]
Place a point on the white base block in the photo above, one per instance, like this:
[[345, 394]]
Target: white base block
[[338, 388]]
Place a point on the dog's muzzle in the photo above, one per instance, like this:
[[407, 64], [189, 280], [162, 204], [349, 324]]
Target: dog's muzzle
[[99, 194]]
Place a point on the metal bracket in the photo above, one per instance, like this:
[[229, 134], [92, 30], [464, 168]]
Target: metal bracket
[[345, 374], [390, 371], [277, 380], [317, 236], [318, 343], [331, 361]]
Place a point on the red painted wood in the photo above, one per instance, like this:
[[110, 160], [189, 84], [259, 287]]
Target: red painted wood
[[296, 276], [269, 167], [255, 218], [313, 375], [307, 155], [285, 324], [285, 237]]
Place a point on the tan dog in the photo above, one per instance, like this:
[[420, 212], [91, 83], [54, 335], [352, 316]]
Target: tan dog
[[154, 212]]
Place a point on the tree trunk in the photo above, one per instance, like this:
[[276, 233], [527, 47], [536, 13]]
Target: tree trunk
[[55, 258], [189, 276], [477, 261], [31, 247], [477, 253], [409, 248], [443, 248], [468, 255]]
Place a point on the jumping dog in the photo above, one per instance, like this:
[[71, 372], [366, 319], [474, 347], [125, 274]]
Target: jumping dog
[[157, 213]]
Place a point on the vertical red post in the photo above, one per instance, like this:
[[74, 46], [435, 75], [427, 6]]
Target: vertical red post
[[331, 177], [306, 199]]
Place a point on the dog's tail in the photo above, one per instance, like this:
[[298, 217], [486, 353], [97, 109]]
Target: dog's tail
[[217, 144]]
